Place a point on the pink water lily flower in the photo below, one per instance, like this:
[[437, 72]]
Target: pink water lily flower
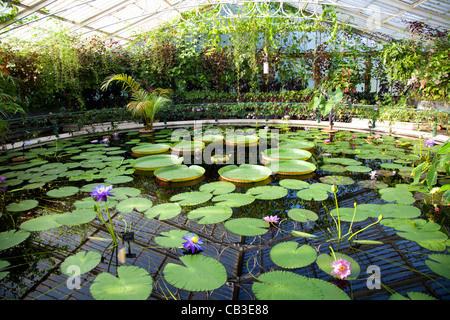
[[341, 268], [271, 219]]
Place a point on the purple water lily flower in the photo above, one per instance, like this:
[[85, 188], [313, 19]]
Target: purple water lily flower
[[430, 143], [192, 243], [102, 193], [271, 219], [341, 268], [2, 179]]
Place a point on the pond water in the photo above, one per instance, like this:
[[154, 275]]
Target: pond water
[[54, 246]]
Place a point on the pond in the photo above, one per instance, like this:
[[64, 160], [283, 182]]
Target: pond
[[221, 213]]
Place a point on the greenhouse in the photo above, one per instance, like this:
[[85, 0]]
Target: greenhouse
[[224, 150]]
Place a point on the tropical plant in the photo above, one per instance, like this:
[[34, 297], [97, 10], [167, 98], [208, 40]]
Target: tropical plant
[[145, 103]]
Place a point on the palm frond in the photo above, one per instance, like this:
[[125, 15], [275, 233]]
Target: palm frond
[[128, 83]]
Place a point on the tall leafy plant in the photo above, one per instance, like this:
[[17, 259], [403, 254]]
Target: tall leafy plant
[[144, 104]]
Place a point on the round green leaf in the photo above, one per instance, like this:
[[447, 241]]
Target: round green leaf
[[439, 264], [358, 169], [290, 255], [118, 179], [76, 217], [191, 198], [210, 214], [324, 262], [23, 205], [149, 148], [294, 184], [12, 238], [199, 273], [233, 199], [285, 154], [135, 203], [172, 238], [218, 187], [151, 163], [337, 180], [285, 285], [346, 214], [63, 192], [302, 215], [245, 173], [83, 262], [291, 167], [132, 283], [247, 226], [179, 173], [372, 184], [267, 192], [164, 211], [41, 223]]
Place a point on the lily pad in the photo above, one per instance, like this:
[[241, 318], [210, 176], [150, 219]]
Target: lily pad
[[135, 203], [76, 217], [346, 214], [241, 140], [63, 192], [188, 146], [294, 184], [83, 260], [233, 199], [218, 187], [132, 283], [154, 162], [285, 154], [267, 192], [297, 144], [398, 195], [324, 262], [23, 205], [164, 211], [439, 264], [285, 285], [337, 180], [358, 169], [302, 215], [390, 210], [290, 255], [179, 173], [291, 167], [245, 173], [118, 179], [335, 168], [125, 192], [11, 238], [191, 198], [372, 184], [41, 223], [171, 239], [199, 273], [149, 148], [210, 214], [247, 226]]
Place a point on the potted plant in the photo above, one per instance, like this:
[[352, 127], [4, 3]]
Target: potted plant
[[144, 103]]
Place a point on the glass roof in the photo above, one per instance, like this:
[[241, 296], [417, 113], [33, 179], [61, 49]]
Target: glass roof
[[123, 19]]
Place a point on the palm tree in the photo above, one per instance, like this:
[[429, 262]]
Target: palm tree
[[144, 103]]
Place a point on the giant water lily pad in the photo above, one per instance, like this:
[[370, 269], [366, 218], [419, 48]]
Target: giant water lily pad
[[149, 148], [135, 203], [188, 146], [210, 214], [132, 283], [267, 192], [285, 285], [199, 273], [11, 238], [83, 261], [179, 173], [285, 154], [154, 162], [439, 264], [233, 199], [218, 187], [290, 255], [23, 205], [291, 167], [164, 211], [324, 262], [245, 173], [241, 140], [247, 226], [63, 192], [191, 198]]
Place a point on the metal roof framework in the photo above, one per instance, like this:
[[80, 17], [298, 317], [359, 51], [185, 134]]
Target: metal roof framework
[[122, 20]]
